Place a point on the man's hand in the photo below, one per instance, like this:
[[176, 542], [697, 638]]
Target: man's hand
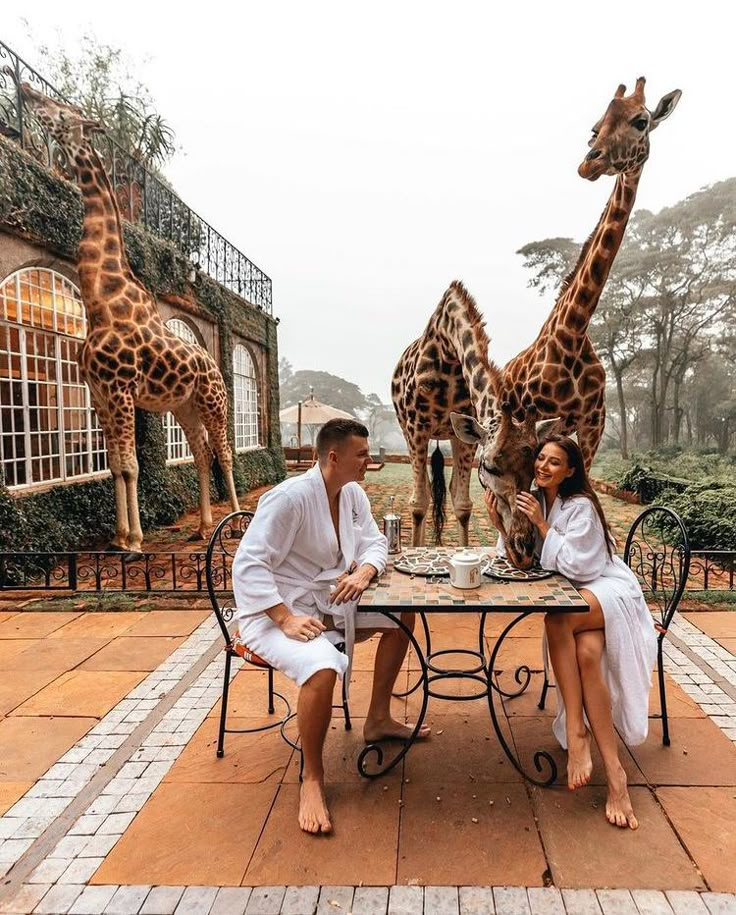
[[350, 585], [301, 628]]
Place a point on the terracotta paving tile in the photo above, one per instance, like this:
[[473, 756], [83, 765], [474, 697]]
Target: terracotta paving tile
[[704, 819], [34, 625], [440, 844], [98, 625], [56, 654], [715, 623], [31, 745], [132, 654], [584, 850], [10, 792], [248, 696], [527, 704], [11, 648], [248, 757], [359, 697], [190, 835], [728, 644], [530, 627], [82, 693], [532, 734], [6, 614], [679, 704], [168, 622], [16, 689], [515, 652], [700, 754], [364, 656], [362, 847], [466, 746]]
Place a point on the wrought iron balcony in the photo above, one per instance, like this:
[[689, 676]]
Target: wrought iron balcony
[[143, 198]]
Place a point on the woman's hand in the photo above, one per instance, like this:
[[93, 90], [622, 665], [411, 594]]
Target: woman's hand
[[301, 628], [489, 497], [528, 505]]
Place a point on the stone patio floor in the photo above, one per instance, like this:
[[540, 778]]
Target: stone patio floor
[[112, 799]]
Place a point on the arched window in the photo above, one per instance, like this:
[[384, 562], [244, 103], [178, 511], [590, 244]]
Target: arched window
[[246, 399], [177, 446], [48, 429]]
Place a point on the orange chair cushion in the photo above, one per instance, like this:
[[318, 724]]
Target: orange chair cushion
[[239, 647]]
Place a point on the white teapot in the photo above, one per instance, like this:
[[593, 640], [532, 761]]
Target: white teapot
[[465, 570]]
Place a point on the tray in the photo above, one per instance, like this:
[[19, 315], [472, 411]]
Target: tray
[[429, 561], [502, 569]]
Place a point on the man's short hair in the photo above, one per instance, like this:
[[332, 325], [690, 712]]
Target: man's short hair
[[335, 432]]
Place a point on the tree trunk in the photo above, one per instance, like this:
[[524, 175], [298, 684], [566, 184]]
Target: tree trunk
[[622, 413]]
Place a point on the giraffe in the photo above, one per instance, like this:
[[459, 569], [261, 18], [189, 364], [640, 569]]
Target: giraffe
[[560, 372], [129, 358], [440, 378], [559, 381]]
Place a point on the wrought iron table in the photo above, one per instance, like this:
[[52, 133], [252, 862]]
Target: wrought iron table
[[395, 593]]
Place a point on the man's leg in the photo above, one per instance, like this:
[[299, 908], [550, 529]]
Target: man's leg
[[314, 711], [389, 657]]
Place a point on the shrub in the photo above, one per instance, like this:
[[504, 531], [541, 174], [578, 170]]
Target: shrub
[[709, 513]]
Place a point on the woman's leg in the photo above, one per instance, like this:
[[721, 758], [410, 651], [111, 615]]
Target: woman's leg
[[562, 652], [597, 700]]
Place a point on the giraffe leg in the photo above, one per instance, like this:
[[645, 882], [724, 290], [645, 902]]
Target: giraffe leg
[[123, 417], [215, 421], [419, 501], [462, 467], [122, 528], [188, 418]]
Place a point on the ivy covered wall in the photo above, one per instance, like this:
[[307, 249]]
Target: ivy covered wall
[[39, 207]]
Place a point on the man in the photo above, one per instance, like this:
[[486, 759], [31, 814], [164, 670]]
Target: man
[[309, 553]]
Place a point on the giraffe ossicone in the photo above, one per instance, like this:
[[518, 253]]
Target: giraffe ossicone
[[129, 358]]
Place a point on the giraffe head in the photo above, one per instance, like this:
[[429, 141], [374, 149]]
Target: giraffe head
[[620, 141], [506, 466], [65, 123]]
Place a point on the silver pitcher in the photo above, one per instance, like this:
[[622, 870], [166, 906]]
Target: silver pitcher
[[392, 529]]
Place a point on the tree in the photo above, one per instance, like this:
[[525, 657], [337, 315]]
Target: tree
[[286, 371], [330, 389], [101, 79]]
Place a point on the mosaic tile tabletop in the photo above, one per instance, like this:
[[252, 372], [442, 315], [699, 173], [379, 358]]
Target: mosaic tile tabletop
[[396, 589]]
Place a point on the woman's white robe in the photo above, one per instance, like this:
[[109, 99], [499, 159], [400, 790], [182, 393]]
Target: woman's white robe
[[575, 546], [290, 554]]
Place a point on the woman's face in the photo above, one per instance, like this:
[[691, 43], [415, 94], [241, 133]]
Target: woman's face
[[551, 467]]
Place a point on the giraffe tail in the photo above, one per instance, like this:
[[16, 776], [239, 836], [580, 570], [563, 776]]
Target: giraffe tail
[[439, 492]]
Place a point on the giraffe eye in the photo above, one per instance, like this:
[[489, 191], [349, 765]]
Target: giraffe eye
[[640, 123]]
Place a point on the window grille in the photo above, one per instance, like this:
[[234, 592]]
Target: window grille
[[246, 399]]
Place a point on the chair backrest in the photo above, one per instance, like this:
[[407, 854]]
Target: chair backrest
[[221, 551], [658, 552]]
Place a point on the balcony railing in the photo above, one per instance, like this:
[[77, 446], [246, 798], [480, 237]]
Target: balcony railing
[[143, 198]]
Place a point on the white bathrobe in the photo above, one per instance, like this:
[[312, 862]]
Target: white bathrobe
[[575, 547], [290, 555]]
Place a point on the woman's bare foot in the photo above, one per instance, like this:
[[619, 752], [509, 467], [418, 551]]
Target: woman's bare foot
[[390, 729], [314, 816], [579, 761], [619, 811]]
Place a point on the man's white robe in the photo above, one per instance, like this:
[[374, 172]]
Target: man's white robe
[[575, 546], [291, 555]]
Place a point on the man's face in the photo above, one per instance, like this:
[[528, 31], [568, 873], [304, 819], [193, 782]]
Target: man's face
[[351, 459]]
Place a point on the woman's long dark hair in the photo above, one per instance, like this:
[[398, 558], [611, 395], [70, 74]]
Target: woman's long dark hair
[[579, 483]]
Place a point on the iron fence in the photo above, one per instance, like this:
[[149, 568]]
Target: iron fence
[[142, 196]]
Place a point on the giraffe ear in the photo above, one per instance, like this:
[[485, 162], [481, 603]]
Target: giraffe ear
[[664, 109], [544, 427], [467, 429]]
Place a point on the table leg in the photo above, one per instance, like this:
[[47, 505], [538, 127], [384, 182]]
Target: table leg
[[428, 642], [377, 748], [541, 757]]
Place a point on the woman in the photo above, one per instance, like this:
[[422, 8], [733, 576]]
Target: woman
[[603, 659]]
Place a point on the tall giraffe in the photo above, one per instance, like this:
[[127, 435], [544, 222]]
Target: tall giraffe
[[442, 374], [129, 358], [560, 372]]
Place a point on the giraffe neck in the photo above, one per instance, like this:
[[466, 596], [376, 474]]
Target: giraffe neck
[[465, 341], [575, 307], [104, 272]]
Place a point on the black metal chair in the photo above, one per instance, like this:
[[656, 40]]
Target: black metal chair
[[221, 551], [657, 551]]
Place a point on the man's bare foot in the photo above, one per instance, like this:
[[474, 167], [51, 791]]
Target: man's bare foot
[[619, 811], [579, 761], [314, 816], [391, 729]]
